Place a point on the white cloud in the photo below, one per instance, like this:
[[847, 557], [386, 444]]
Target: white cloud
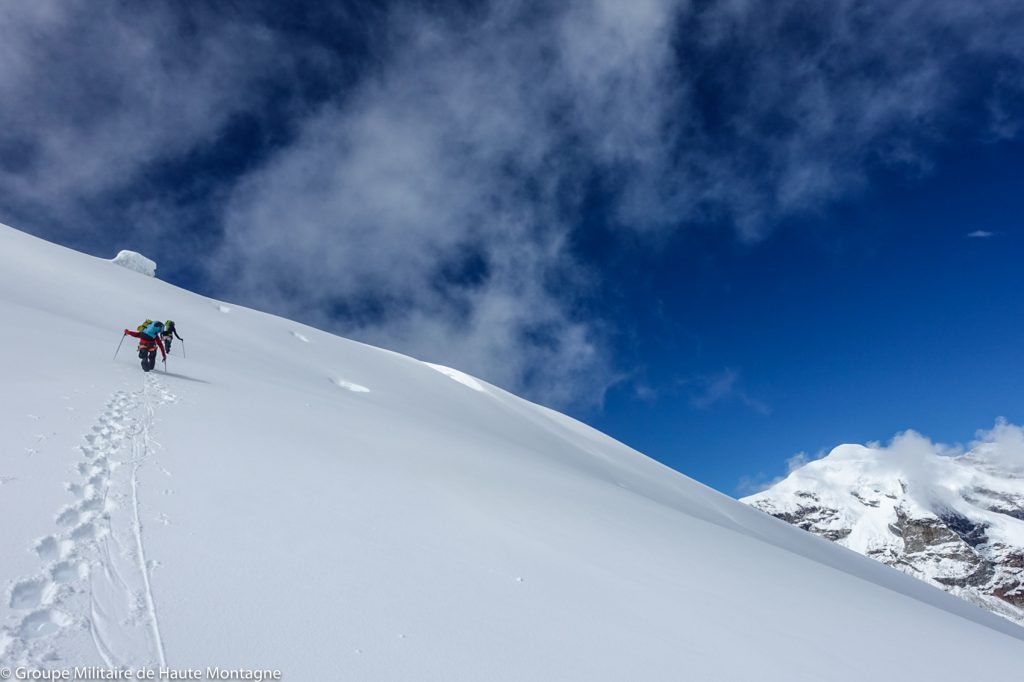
[[1002, 444], [798, 461], [435, 202], [980, 234], [94, 96], [432, 205], [922, 464], [751, 485]]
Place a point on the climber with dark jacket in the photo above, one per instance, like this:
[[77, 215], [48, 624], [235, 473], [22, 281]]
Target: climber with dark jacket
[[168, 334], [149, 342]]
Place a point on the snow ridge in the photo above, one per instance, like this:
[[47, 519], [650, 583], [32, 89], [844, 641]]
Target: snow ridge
[[341, 511]]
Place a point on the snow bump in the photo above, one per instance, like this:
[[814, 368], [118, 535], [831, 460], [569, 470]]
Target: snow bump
[[458, 376], [135, 261], [349, 386]]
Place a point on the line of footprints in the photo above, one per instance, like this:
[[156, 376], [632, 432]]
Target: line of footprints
[[65, 553]]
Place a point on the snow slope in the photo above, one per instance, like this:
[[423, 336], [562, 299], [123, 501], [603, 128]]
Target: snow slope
[[284, 498]]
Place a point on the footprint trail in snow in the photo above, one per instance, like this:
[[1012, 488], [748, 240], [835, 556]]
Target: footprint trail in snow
[[94, 574]]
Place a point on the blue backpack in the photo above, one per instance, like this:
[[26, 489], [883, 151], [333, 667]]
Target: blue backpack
[[153, 330]]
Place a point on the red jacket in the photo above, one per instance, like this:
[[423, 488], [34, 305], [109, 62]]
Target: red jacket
[[147, 343]]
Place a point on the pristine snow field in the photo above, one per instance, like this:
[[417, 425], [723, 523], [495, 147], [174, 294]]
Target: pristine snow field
[[284, 498]]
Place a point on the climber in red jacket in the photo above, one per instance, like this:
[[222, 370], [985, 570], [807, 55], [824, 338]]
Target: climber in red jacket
[[149, 341]]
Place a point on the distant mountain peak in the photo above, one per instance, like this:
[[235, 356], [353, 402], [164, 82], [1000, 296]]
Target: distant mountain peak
[[954, 519]]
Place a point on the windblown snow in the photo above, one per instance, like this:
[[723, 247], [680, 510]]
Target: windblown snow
[[287, 499]]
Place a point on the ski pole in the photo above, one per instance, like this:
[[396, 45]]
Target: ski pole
[[183, 354], [119, 346]]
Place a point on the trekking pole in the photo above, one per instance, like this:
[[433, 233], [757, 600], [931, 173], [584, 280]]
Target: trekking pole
[[119, 346]]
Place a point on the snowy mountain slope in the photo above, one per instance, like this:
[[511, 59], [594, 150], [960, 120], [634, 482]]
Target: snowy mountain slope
[[956, 522], [288, 499]]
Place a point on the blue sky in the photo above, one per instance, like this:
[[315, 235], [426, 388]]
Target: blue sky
[[877, 316], [724, 232]]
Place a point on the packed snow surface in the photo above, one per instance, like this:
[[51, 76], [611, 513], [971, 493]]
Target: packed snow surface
[[135, 261], [253, 508]]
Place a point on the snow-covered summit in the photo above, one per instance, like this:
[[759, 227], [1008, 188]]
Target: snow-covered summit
[[135, 261], [288, 499], [953, 519]]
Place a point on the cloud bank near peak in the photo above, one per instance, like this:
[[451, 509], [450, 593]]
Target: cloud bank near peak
[[930, 470]]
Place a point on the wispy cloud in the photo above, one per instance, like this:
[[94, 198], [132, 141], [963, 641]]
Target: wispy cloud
[[980, 234], [798, 461], [97, 97], [725, 387], [750, 485], [1003, 444], [470, 149], [433, 206], [429, 200], [922, 463]]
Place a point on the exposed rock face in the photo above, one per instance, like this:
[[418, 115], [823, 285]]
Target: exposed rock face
[[956, 522]]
